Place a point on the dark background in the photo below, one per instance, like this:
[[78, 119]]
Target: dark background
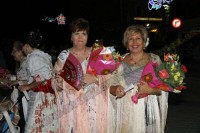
[[106, 19]]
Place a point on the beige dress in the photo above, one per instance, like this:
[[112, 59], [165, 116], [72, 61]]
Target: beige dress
[[79, 111], [147, 116]]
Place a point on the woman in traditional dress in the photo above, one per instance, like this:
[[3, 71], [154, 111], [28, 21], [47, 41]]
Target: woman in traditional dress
[[21, 78], [149, 114], [41, 115], [81, 109]]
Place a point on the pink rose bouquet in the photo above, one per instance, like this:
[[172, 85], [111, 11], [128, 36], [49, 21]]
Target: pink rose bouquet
[[103, 60]]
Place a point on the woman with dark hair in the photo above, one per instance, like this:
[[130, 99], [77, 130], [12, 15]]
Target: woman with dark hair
[[41, 115], [80, 111]]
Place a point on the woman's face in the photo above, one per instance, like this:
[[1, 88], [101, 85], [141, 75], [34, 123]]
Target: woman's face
[[25, 49], [135, 42], [79, 38], [17, 54]]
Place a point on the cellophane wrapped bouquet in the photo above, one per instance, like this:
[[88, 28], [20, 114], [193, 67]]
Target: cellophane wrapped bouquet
[[103, 60], [168, 76]]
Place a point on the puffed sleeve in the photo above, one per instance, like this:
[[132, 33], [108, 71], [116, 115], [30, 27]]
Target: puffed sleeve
[[63, 56], [57, 81], [40, 68], [117, 77], [155, 58]]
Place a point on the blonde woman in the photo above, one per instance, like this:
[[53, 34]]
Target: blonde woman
[[149, 114]]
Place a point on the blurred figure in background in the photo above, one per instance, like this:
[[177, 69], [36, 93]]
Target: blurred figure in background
[[41, 115], [20, 110]]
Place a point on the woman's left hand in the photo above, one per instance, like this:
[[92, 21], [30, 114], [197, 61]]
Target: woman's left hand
[[144, 88]]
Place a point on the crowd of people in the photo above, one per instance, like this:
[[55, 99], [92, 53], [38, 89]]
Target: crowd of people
[[56, 106]]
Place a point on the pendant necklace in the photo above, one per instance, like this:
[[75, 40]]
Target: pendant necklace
[[137, 62]]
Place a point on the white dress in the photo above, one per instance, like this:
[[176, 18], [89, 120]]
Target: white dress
[[41, 116], [147, 116]]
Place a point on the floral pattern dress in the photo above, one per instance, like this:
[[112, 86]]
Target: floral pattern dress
[[41, 115], [79, 111]]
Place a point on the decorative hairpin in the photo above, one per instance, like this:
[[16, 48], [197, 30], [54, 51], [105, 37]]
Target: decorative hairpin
[[60, 19]]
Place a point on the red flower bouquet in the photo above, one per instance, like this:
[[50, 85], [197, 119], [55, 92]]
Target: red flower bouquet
[[167, 76], [103, 60]]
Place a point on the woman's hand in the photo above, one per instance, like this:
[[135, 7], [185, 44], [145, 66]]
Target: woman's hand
[[5, 83], [89, 79], [144, 88], [117, 91], [23, 88], [59, 80]]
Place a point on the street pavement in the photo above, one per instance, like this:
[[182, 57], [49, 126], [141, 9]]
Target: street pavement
[[184, 108]]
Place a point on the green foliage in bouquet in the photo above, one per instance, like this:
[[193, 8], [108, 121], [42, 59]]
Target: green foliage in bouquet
[[172, 72]]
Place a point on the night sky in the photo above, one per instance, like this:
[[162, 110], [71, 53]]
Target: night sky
[[104, 17], [21, 16], [25, 14]]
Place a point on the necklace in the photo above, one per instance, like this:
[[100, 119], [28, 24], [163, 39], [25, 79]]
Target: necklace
[[136, 62], [79, 54]]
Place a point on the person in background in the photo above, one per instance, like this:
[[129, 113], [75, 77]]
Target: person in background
[[79, 111], [41, 114], [20, 108], [150, 113], [20, 104]]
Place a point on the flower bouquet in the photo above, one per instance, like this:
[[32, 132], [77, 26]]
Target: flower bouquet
[[167, 76], [103, 60]]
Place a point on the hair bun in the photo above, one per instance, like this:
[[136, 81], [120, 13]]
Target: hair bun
[[35, 38]]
